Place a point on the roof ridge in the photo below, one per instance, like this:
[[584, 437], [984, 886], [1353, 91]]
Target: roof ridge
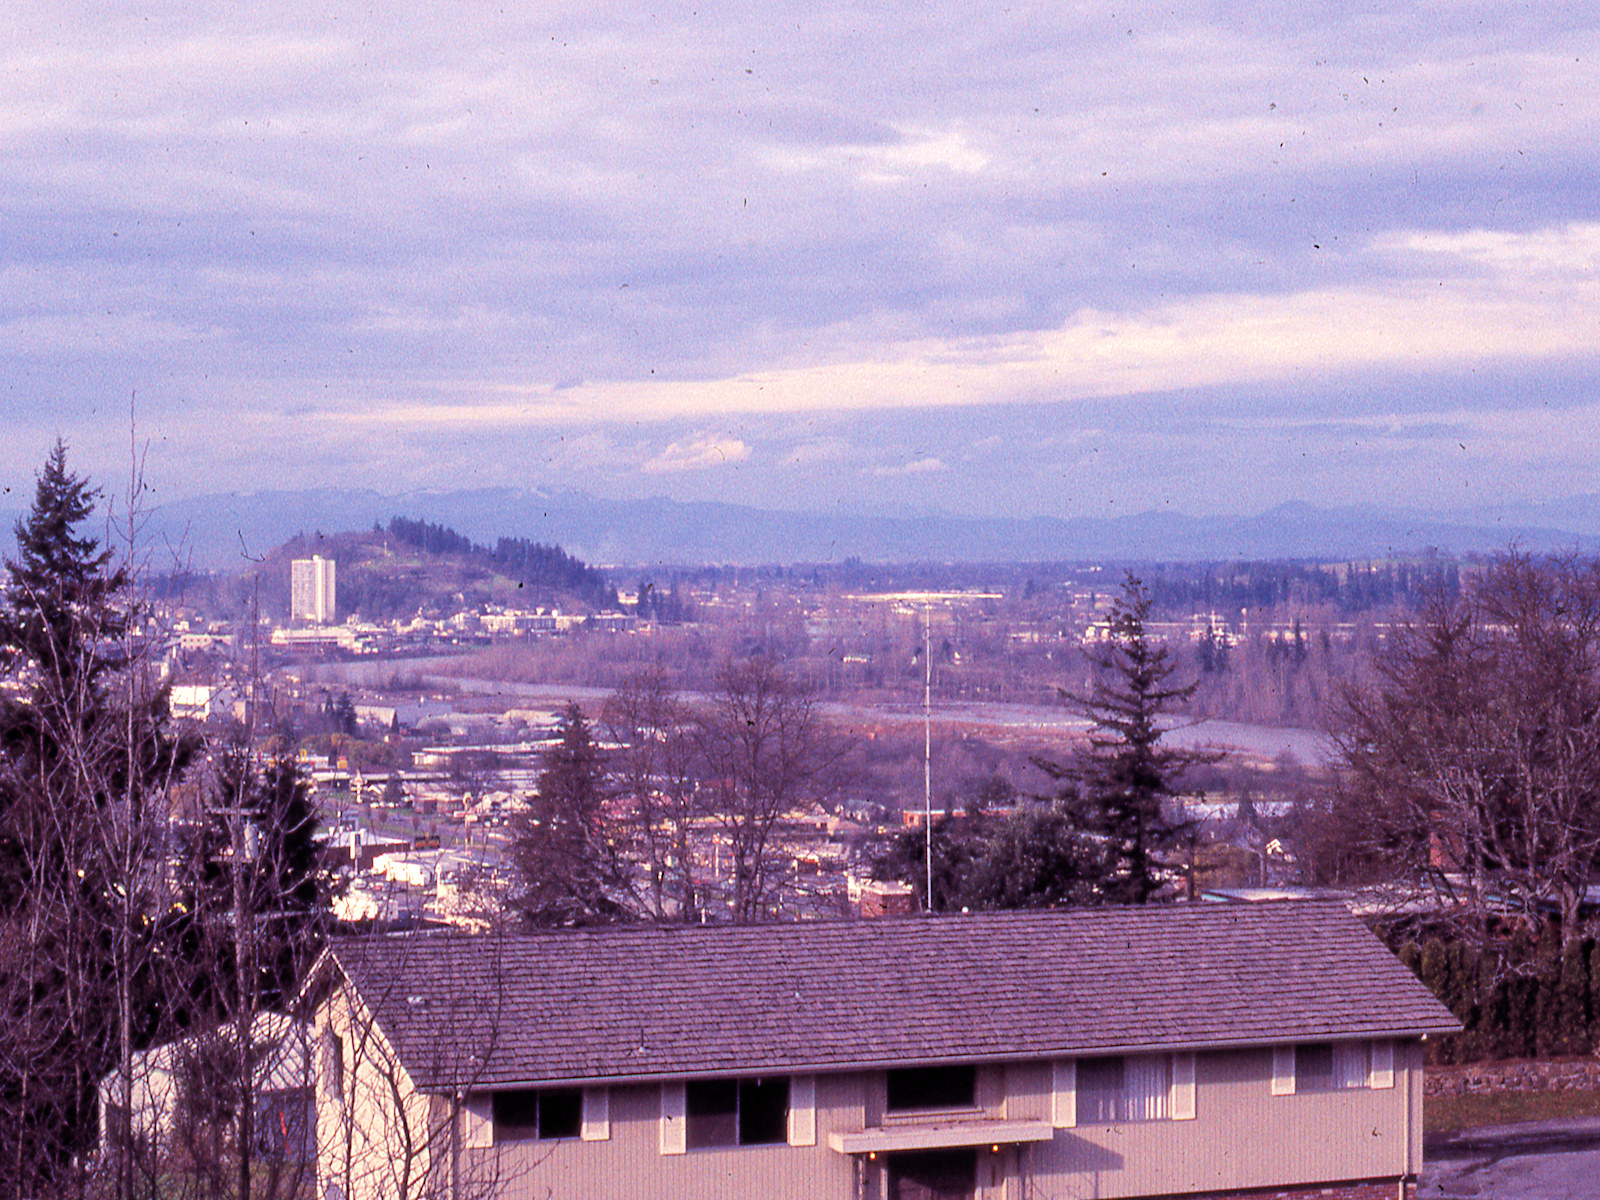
[[646, 929]]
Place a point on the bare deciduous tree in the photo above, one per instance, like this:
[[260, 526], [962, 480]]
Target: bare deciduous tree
[[765, 750], [1472, 764], [252, 915], [378, 1136], [654, 772]]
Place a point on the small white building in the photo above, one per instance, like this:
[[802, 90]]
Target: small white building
[[198, 701], [174, 1085]]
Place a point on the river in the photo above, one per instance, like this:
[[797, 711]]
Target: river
[[1262, 743]]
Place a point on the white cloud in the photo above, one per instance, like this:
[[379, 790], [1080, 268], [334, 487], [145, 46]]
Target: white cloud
[[1516, 309], [927, 465], [1571, 251], [709, 450], [918, 151]]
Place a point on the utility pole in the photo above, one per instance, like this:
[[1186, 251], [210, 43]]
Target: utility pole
[[927, 748]]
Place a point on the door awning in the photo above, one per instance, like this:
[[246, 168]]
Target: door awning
[[939, 1137]]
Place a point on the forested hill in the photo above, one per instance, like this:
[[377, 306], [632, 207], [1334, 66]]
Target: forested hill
[[531, 564], [409, 567]]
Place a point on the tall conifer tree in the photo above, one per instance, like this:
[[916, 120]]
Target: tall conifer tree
[[572, 867], [1118, 790], [79, 755]]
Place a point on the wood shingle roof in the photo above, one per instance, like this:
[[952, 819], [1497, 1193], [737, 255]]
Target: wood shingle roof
[[642, 1003]]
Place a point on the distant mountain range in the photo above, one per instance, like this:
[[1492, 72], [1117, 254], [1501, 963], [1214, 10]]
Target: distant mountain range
[[223, 531]]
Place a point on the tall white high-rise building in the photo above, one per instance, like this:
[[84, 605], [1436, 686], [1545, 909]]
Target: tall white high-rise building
[[311, 589]]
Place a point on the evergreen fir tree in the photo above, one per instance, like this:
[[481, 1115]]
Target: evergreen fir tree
[[85, 749], [1035, 859], [571, 867], [281, 885], [251, 918], [1118, 790], [957, 843], [58, 616], [293, 891]]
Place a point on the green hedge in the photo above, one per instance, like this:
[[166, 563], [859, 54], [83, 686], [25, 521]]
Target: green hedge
[[1518, 999]]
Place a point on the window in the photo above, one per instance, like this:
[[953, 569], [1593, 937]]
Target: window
[[1331, 1066], [333, 1049], [525, 1114], [284, 1123], [1124, 1088], [932, 1087], [713, 1113], [737, 1112]]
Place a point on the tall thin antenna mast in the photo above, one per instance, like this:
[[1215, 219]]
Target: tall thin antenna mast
[[927, 747]]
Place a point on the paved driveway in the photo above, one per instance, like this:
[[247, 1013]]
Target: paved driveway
[[1539, 1160]]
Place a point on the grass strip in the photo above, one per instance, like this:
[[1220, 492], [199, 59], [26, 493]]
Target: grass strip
[[1450, 1114]]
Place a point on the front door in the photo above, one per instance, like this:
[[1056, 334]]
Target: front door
[[933, 1175]]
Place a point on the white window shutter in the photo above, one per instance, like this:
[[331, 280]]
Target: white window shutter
[[803, 1110], [1382, 1064], [1064, 1093], [477, 1121], [1183, 1087], [596, 1115], [674, 1118], [1283, 1070]]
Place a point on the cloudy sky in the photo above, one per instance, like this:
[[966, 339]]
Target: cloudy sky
[[1044, 259]]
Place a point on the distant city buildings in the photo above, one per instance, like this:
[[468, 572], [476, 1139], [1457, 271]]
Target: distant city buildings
[[312, 590]]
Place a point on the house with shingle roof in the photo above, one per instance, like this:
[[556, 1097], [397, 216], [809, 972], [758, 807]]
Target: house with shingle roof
[[1199, 1050]]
